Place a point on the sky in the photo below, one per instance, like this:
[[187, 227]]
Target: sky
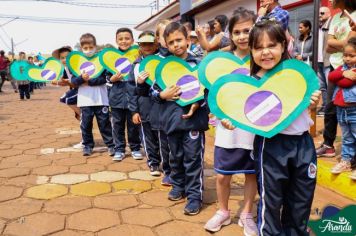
[[33, 37]]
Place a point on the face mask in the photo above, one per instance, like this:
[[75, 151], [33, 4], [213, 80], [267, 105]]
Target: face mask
[[89, 53]]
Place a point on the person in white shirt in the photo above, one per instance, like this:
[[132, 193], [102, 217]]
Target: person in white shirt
[[93, 101]]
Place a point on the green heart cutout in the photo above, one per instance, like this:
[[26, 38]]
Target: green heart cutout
[[116, 61], [51, 70], [77, 62], [175, 71], [266, 106], [217, 64], [150, 64], [17, 70]]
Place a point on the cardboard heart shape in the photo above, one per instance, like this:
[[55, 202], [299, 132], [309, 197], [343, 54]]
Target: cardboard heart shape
[[77, 63], [51, 70], [217, 64], [150, 64], [115, 60], [17, 70], [175, 71], [266, 106]]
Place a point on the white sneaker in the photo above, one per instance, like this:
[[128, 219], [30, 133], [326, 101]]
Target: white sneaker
[[217, 221], [249, 225], [78, 146]]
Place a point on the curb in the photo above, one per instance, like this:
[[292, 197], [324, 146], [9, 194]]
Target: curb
[[341, 183]]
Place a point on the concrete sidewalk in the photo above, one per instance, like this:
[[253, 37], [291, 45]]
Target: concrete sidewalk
[[49, 188]]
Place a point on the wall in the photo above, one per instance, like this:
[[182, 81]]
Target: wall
[[225, 8]]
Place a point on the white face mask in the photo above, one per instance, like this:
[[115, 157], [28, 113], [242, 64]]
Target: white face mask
[[89, 53]]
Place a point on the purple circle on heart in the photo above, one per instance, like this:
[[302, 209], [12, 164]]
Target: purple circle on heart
[[241, 71], [263, 108], [123, 65], [189, 85], [88, 67], [48, 75]]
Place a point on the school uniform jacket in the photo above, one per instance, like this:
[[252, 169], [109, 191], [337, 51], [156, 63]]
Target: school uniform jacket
[[171, 117]]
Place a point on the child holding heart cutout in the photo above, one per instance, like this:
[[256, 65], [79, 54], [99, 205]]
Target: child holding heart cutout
[[118, 100], [93, 101], [232, 154], [285, 163], [185, 128], [141, 104]]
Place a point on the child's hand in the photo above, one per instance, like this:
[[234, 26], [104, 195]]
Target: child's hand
[[350, 74], [117, 77], [170, 93], [85, 76], [227, 124], [314, 100], [299, 57], [136, 119], [199, 30], [192, 109], [141, 78]]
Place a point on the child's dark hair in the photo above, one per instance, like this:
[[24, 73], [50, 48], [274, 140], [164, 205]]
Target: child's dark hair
[[87, 38], [351, 42], [2, 53], [241, 14], [122, 30], [223, 21], [274, 31], [22, 53], [28, 58], [64, 49], [175, 26]]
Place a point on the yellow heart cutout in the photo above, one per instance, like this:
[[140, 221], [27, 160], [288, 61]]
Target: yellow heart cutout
[[266, 106], [78, 63], [116, 61], [175, 71], [217, 64], [51, 70]]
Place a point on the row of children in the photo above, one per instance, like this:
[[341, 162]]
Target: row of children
[[282, 168]]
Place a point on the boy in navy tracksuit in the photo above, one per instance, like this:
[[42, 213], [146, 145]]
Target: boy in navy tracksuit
[[93, 101], [141, 105], [185, 128], [118, 101]]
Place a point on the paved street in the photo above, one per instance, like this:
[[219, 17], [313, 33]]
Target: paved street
[[49, 188]]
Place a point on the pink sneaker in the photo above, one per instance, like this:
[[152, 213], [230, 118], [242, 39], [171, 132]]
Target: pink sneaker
[[217, 221], [342, 166], [246, 221]]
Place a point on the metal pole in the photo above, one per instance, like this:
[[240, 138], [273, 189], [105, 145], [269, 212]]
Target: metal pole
[[12, 47], [315, 56]]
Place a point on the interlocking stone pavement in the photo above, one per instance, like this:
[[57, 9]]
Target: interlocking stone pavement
[[49, 188]]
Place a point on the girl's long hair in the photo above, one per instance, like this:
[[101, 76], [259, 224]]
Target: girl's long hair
[[275, 32]]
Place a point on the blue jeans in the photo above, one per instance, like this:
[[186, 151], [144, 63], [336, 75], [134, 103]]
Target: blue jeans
[[346, 117], [323, 73]]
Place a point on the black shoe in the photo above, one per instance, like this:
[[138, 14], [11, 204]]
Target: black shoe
[[154, 171], [175, 196], [87, 151], [193, 207]]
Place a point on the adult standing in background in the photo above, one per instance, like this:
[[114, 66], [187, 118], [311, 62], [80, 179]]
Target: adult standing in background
[[4, 62], [338, 35], [303, 49], [323, 55], [219, 40], [272, 9]]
